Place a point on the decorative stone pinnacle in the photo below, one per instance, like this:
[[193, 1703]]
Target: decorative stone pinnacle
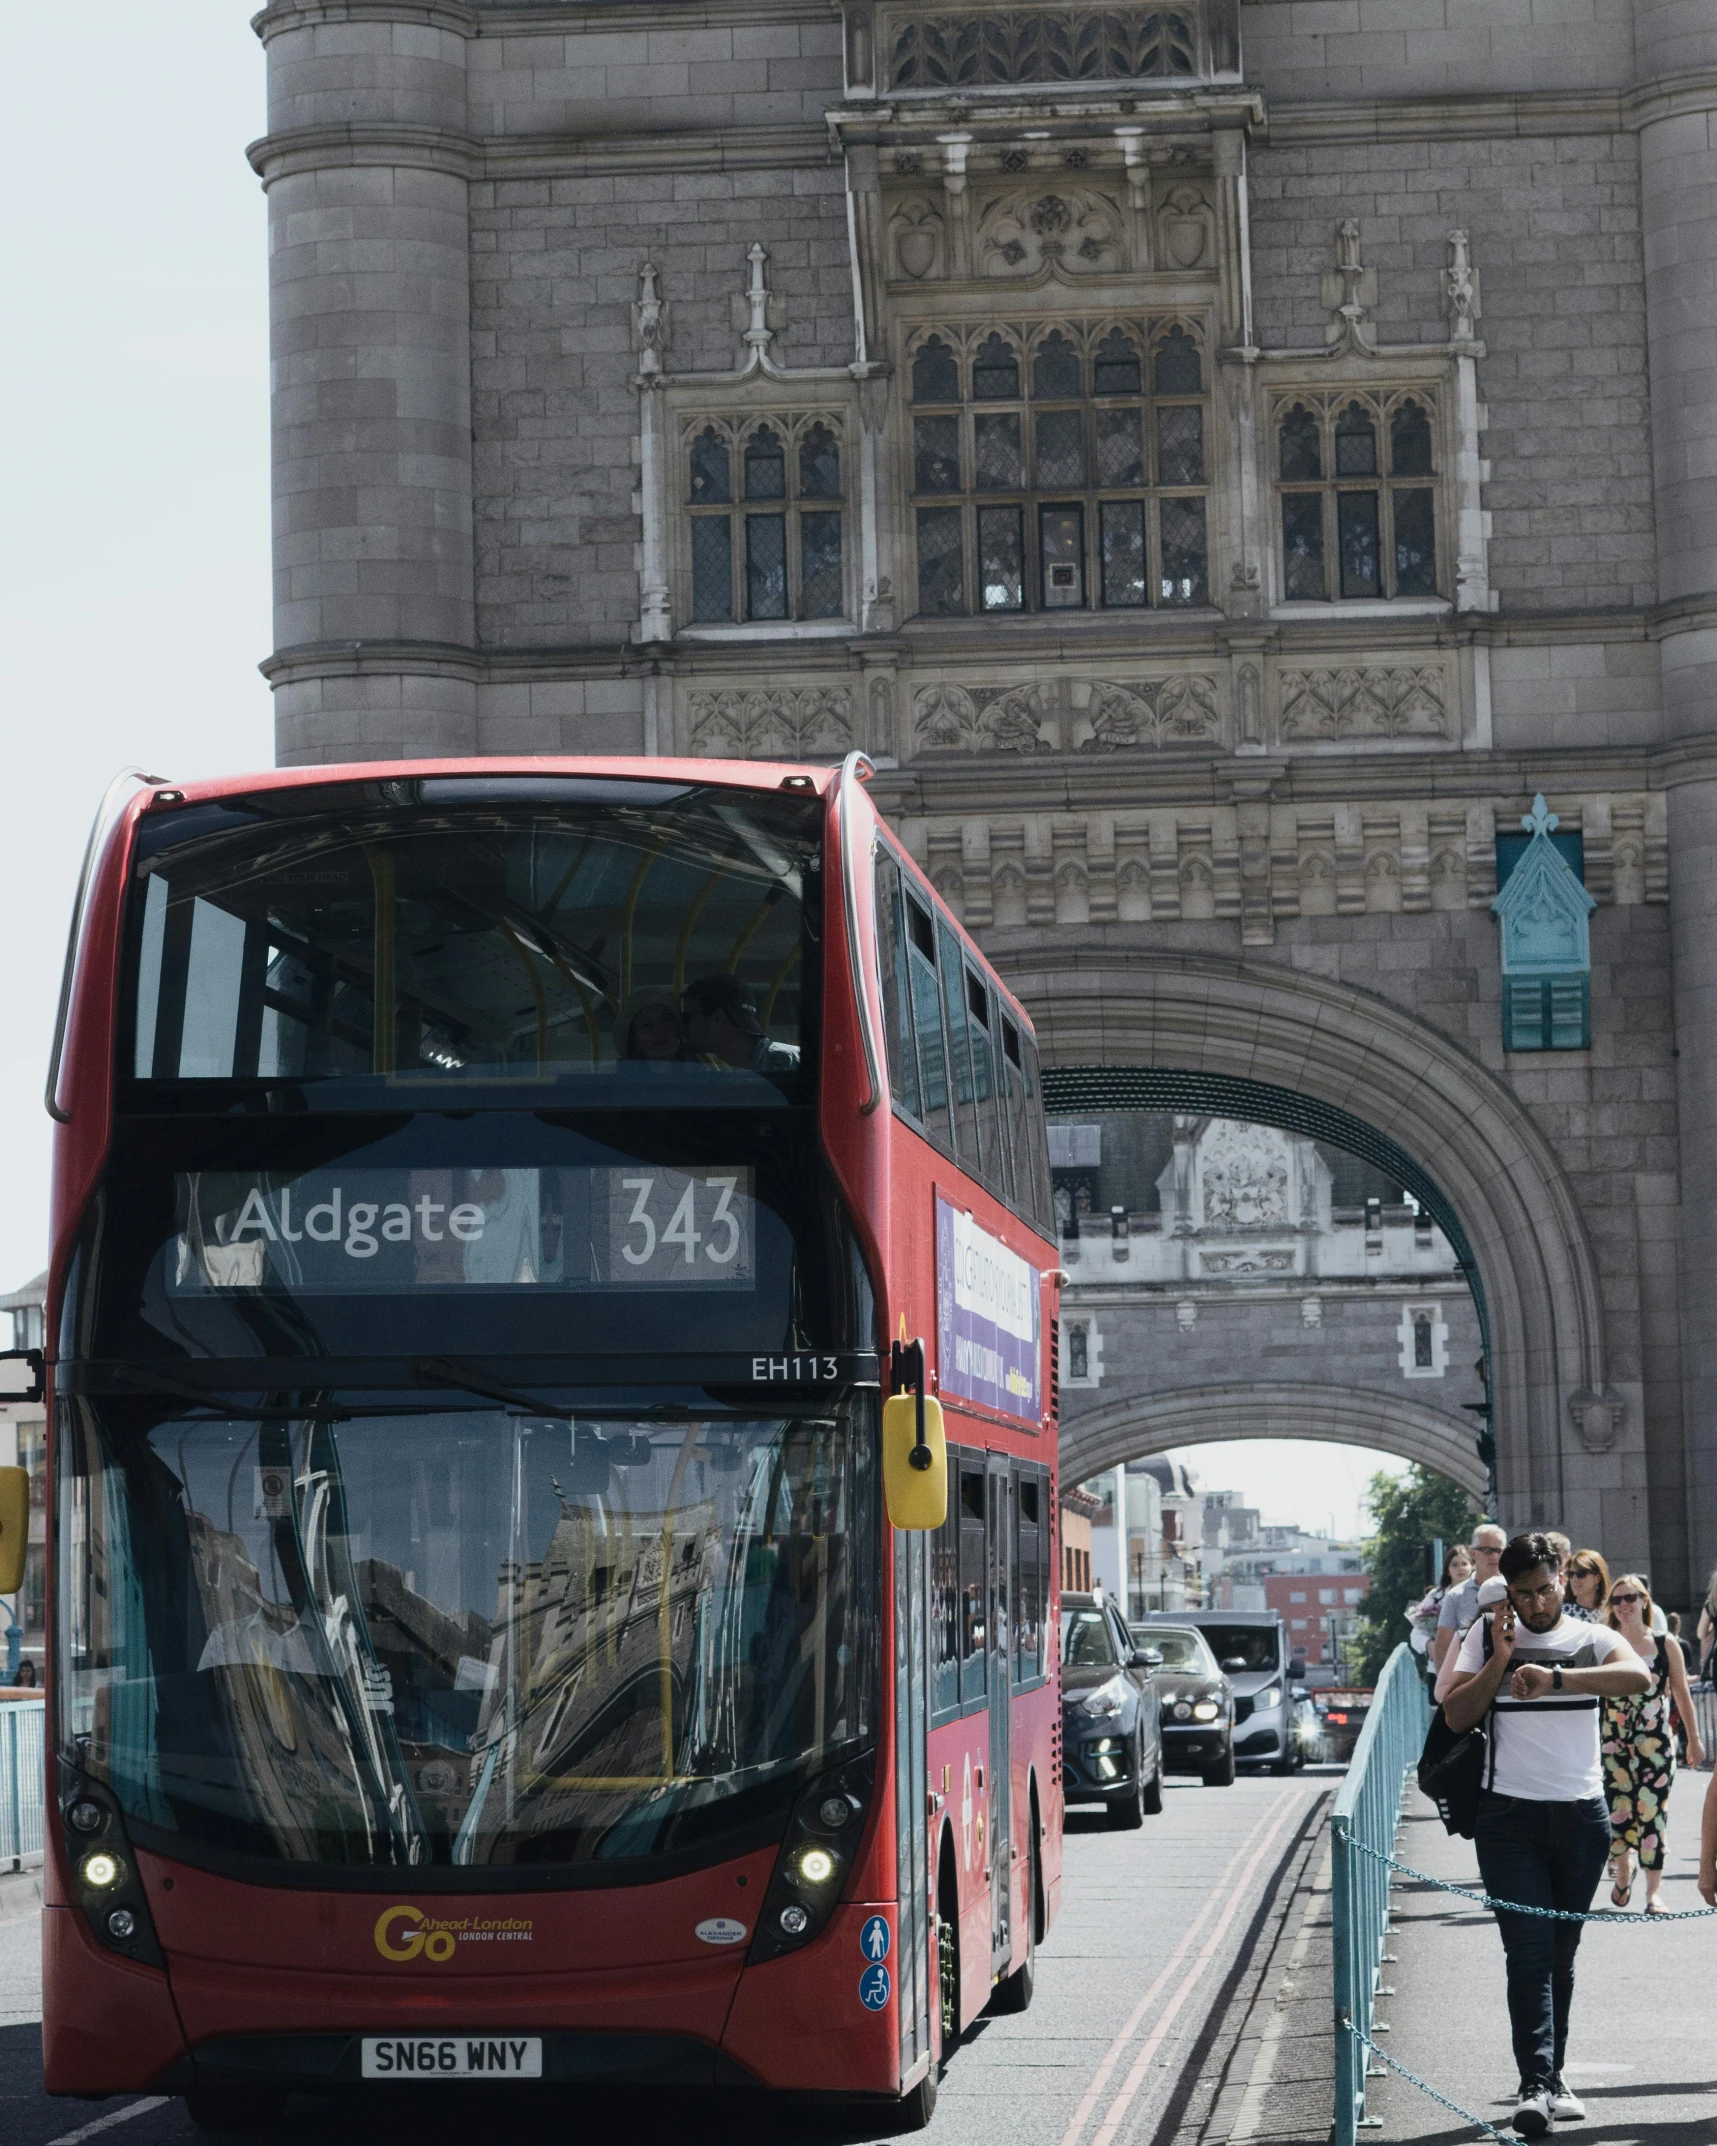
[[649, 322], [758, 332], [1540, 820], [1349, 290], [1461, 289]]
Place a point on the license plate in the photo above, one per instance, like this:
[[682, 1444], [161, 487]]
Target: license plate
[[453, 2056]]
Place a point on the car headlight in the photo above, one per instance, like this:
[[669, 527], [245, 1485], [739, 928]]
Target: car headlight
[[1267, 1699], [1206, 1710], [1107, 1699]]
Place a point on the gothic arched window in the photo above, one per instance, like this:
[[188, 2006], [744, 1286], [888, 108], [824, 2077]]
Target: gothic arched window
[[1088, 491], [1346, 519], [775, 552]]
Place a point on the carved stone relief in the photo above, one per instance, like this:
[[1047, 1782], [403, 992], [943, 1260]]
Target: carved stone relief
[[946, 51], [771, 722], [916, 234], [1376, 701], [1095, 715], [1079, 232], [1184, 226], [1243, 1176]]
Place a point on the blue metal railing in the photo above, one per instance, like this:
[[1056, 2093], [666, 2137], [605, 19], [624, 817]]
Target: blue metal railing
[[1367, 1811], [23, 1724]]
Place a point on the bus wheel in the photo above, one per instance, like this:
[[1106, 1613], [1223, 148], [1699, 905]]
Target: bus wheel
[[917, 2107], [217, 2108], [948, 1973], [1013, 1992]]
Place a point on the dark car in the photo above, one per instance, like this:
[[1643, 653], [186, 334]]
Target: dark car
[[1111, 1720], [1341, 1716], [1197, 1703], [1251, 1650]]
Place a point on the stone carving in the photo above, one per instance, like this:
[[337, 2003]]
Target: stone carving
[[917, 235], [1349, 292], [1155, 711], [649, 322], [1243, 1176], [1380, 701], [1247, 687], [1185, 223], [1460, 282], [947, 51], [1245, 1262], [1006, 719], [1078, 233], [772, 722], [1598, 1414]]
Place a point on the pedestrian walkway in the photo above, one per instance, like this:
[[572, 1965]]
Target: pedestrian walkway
[[1641, 2054]]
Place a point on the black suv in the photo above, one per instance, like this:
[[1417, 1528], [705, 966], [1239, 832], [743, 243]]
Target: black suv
[[1197, 1703], [1111, 1718]]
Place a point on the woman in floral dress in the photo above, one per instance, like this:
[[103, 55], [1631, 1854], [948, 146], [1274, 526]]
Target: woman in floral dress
[[1639, 1746]]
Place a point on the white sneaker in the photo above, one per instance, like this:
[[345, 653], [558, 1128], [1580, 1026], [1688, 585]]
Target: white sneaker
[[1534, 2112], [1565, 2105]]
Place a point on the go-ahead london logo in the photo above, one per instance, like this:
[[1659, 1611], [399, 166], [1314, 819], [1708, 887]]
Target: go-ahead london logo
[[407, 1933]]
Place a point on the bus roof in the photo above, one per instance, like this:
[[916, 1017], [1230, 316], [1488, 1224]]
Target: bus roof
[[738, 774]]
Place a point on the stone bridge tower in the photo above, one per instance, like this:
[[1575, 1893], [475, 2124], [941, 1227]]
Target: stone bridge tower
[[1221, 458]]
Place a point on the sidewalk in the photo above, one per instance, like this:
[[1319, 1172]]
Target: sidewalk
[[1642, 2054]]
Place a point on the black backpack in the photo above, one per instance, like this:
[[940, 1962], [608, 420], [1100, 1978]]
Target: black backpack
[[1455, 1767]]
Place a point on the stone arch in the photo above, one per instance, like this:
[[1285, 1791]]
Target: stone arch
[[1349, 1416], [1551, 1398]]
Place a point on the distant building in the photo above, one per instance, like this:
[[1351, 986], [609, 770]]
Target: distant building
[[23, 1444]]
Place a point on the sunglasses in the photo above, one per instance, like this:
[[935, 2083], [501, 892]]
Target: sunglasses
[[1627, 1598]]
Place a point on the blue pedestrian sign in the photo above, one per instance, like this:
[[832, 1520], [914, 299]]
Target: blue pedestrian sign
[[874, 1938], [874, 1987]]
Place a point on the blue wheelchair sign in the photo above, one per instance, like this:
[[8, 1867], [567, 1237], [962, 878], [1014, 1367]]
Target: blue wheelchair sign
[[874, 1986], [874, 1938]]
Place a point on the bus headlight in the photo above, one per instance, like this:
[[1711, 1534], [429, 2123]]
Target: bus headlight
[[101, 1871], [110, 1889], [817, 1851]]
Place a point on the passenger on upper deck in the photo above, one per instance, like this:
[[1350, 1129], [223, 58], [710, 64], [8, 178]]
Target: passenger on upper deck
[[722, 1027]]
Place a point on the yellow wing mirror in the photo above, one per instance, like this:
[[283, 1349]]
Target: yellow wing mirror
[[914, 1446], [14, 1527]]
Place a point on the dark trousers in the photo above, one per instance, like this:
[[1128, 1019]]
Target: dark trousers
[[1544, 1855]]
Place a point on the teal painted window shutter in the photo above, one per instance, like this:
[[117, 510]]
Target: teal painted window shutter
[[1546, 945]]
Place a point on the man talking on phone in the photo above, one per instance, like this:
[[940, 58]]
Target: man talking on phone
[[1543, 1835]]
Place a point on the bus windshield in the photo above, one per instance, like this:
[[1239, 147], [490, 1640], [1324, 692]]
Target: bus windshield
[[643, 942], [462, 1636]]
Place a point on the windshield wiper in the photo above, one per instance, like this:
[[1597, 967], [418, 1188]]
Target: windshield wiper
[[443, 1371], [159, 1382]]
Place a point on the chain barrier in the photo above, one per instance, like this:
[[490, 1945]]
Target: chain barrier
[[1373, 2123], [1519, 1907]]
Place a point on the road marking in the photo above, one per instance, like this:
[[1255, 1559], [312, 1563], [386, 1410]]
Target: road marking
[[1135, 2078], [1117, 2048], [106, 2123]]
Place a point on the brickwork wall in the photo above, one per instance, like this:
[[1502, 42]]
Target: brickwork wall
[[1555, 230], [554, 275], [1435, 48]]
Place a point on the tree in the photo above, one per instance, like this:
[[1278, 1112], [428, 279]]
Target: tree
[[1411, 1512]]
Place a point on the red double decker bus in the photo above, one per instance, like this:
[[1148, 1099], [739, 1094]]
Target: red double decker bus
[[522, 1233]]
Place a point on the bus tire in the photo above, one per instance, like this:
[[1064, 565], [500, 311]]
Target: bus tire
[[1013, 1993], [1127, 1813], [1221, 1775], [948, 1952], [919, 2105]]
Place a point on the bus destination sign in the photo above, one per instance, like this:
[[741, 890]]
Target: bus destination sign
[[399, 1231], [988, 1311]]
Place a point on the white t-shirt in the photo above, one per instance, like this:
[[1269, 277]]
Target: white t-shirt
[[1547, 1749]]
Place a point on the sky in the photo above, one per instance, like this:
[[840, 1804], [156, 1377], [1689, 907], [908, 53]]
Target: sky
[[1299, 1482], [134, 568]]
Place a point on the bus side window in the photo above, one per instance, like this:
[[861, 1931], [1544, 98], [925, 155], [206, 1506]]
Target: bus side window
[[1019, 1119], [973, 1617], [927, 1022], [896, 985], [945, 1613], [1028, 1604], [986, 1083], [953, 968], [1036, 1199]]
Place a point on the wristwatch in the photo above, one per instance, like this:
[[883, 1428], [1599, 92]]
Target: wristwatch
[[1555, 1680]]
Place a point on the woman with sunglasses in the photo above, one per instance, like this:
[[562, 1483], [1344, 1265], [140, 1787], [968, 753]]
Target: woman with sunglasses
[[1639, 1746], [1588, 1578]]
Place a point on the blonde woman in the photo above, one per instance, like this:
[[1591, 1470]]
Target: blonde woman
[[1639, 1746]]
